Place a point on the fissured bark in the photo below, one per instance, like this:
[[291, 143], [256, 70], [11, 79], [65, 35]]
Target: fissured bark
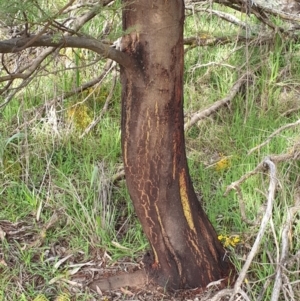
[[185, 250]]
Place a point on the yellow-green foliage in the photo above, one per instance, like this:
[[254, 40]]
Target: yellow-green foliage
[[79, 115], [222, 164], [63, 297], [11, 168], [40, 297]]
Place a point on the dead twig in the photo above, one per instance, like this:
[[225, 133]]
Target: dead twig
[[32, 68], [222, 15], [278, 131], [284, 247], [213, 108], [264, 289], [265, 220], [105, 107], [236, 184]]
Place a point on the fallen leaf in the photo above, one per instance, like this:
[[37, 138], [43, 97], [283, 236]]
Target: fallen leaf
[[126, 292]]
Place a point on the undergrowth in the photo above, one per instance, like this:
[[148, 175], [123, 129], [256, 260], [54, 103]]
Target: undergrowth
[[46, 169]]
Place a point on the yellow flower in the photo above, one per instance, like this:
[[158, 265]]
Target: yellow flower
[[229, 241], [223, 163]]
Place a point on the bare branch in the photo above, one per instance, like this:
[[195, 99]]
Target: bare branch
[[263, 226], [213, 108], [284, 247], [32, 68], [27, 76], [107, 68], [105, 107], [258, 6], [225, 16], [17, 44], [207, 40], [286, 126]]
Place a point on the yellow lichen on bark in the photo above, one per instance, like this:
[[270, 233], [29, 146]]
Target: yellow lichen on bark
[[185, 201]]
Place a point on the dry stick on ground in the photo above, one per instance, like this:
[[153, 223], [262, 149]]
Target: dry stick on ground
[[227, 292], [258, 6], [222, 15], [286, 126], [289, 112], [105, 107], [264, 223], [293, 155], [213, 108], [284, 247]]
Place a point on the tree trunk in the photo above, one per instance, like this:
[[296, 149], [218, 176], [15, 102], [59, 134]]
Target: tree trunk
[[185, 250]]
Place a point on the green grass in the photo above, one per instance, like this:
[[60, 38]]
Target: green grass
[[45, 172]]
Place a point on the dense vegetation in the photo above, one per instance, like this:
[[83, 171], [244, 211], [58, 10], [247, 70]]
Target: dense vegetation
[[62, 191]]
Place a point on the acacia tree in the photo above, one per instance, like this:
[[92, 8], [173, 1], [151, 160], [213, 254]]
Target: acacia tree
[[185, 248], [185, 251]]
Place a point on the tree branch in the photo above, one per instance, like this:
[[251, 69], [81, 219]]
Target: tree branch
[[31, 68], [284, 247], [105, 107], [270, 7], [264, 223], [105, 50], [215, 106], [284, 127], [225, 16], [40, 110]]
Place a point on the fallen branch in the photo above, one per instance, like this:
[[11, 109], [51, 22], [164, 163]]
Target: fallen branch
[[214, 107], [258, 6], [284, 248], [265, 220], [294, 154], [286, 126], [222, 15]]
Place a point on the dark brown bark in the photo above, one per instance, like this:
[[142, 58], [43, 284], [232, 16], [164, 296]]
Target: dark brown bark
[[185, 250]]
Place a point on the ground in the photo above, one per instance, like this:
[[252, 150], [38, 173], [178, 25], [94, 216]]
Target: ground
[[27, 260]]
